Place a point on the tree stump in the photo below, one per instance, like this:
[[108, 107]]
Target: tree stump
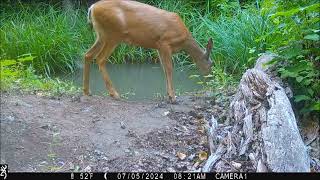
[[264, 135]]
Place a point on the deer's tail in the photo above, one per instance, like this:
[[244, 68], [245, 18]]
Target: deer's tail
[[89, 15]]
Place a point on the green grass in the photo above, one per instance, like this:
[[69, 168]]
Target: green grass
[[54, 37], [237, 40], [18, 75]]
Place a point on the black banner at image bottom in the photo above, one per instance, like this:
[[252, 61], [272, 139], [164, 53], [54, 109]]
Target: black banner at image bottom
[[153, 176]]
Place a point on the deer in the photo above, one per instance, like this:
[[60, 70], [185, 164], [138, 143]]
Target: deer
[[138, 24]]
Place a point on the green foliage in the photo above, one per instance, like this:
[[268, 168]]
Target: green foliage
[[19, 75], [237, 40], [296, 39], [47, 33]]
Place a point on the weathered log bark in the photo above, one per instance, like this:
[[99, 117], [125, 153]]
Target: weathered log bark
[[264, 130]]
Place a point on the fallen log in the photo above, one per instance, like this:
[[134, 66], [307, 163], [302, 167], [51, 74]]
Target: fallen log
[[265, 134]]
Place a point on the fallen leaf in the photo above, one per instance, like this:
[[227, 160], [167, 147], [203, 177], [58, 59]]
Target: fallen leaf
[[203, 155], [181, 156]]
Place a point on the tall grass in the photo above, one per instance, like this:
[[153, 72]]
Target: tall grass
[[238, 40], [59, 38], [55, 37]]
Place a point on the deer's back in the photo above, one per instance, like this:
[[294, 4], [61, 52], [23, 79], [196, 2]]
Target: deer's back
[[137, 23]]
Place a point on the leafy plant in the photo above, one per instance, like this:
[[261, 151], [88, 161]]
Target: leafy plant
[[296, 40]]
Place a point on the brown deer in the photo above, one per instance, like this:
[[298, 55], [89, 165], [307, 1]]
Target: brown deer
[[135, 23]]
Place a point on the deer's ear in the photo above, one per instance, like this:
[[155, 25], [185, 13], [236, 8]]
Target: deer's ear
[[209, 46]]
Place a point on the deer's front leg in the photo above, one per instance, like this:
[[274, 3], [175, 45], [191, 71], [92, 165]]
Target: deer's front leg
[[165, 56], [86, 72]]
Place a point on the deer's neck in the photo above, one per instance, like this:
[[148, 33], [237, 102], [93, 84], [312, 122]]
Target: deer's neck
[[193, 49]]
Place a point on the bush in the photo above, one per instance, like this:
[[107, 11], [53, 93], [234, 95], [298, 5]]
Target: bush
[[296, 39]]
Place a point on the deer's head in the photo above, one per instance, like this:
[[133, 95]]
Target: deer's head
[[205, 63]]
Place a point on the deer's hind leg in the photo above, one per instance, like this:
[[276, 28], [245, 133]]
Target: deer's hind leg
[[101, 61], [89, 56]]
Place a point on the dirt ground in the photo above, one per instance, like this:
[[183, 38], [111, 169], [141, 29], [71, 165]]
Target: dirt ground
[[100, 134]]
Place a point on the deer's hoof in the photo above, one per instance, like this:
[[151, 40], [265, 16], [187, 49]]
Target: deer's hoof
[[86, 93], [173, 100], [115, 95]]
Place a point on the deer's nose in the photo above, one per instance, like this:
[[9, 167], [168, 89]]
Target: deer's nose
[[210, 63]]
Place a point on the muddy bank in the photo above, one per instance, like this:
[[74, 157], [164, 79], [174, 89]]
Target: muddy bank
[[100, 134]]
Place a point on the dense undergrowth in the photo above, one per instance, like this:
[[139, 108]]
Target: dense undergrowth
[[58, 38]]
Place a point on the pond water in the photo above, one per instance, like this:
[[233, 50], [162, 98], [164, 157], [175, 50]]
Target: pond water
[[137, 81]]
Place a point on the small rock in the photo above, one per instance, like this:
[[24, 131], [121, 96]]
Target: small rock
[[95, 116], [192, 113], [97, 152], [131, 134], [181, 167], [19, 147], [161, 105], [75, 99], [122, 125], [84, 98], [105, 169], [191, 157], [140, 164], [22, 103], [86, 109], [71, 166], [196, 165], [77, 168], [46, 127], [184, 118], [87, 169], [170, 169], [60, 163], [236, 165], [95, 120], [165, 156], [117, 143], [43, 163], [10, 118]]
